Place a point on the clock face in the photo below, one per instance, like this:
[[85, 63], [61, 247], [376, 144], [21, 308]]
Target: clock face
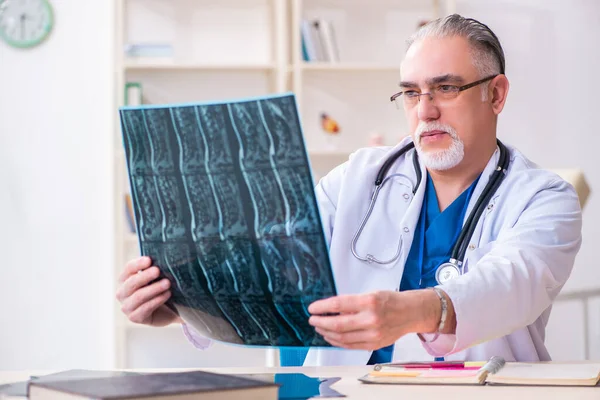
[[25, 23]]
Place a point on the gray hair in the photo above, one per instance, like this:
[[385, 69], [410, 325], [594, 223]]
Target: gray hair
[[486, 51]]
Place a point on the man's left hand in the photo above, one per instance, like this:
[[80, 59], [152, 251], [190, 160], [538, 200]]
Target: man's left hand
[[374, 320]]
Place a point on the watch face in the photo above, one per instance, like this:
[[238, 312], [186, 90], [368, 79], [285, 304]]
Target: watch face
[[25, 23]]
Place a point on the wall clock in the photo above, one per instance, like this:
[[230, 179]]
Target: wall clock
[[25, 23]]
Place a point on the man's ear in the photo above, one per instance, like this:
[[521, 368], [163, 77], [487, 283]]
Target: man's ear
[[498, 91]]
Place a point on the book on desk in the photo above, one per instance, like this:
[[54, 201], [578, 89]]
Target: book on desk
[[155, 386], [493, 372]]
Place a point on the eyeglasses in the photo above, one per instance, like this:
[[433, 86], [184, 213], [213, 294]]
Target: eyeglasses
[[440, 93]]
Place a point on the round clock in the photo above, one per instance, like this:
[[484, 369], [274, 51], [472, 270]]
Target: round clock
[[25, 23]]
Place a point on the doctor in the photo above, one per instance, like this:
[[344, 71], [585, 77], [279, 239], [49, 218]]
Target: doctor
[[453, 249], [518, 253]]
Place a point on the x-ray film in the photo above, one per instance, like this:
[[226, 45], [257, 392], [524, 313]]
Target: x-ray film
[[224, 205]]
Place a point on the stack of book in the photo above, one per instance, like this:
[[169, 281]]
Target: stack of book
[[319, 41]]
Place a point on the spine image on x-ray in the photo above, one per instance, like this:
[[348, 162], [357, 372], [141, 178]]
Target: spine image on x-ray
[[225, 208]]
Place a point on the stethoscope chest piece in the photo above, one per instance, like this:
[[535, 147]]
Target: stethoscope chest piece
[[447, 271]]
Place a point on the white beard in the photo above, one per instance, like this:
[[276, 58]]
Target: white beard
[[439, 160]]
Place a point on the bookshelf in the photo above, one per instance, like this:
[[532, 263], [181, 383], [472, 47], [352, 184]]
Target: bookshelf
[[223, 49]]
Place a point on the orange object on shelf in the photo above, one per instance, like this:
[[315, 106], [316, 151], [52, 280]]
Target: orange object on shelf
[[329, 125]]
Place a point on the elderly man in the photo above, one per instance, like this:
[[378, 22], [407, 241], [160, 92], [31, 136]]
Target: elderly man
[[449, 245]]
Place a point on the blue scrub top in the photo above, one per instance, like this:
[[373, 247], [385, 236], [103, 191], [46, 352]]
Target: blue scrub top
[[432, 244]]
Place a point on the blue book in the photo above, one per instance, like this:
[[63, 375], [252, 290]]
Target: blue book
[[224, 204]]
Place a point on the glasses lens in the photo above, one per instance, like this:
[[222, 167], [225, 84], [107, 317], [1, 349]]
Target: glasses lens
[[410, 99], [447, 92], [397, 100]]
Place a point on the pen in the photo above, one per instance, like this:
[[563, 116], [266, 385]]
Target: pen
[[434, 365], [453, 365]]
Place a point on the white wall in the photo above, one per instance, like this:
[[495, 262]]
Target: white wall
[[56, 126]]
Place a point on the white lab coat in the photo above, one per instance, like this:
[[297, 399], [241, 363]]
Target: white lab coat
[[520, 255]]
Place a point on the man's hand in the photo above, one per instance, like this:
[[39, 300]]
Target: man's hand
[[143, 303], [375, 320]]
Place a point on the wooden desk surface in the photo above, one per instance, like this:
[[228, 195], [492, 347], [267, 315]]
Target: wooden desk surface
[[353, 389]]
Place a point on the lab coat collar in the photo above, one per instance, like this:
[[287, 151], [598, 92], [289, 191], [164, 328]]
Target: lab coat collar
[[411, 216], [483, 180]]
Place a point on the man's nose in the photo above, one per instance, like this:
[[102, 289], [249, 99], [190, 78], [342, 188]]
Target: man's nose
[[427, 110]]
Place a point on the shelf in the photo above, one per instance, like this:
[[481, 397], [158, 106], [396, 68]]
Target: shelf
[[170, 65], [349, 67], [213, 65]]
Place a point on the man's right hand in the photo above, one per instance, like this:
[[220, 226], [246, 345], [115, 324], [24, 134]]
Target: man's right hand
[[143, 303]]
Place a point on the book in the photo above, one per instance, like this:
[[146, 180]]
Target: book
[[155, 386], [225, 207], [494, 372], [310, 42], [20, 388], [133, 94], [140, 50], [547, 374], [328, 40]]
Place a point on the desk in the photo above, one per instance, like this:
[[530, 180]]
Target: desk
[[353, 389]]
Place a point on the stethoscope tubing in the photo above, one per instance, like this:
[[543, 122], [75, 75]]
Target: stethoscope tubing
[[460, 247]]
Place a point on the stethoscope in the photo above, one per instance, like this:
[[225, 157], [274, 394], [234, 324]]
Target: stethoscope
[[453, 267]]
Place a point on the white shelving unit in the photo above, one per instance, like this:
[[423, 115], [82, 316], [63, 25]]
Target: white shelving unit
[[224, 49]]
